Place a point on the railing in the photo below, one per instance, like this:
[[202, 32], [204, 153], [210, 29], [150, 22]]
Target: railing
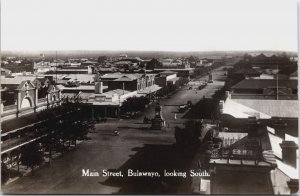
[[42, 100], [10, 107], [254, 156]]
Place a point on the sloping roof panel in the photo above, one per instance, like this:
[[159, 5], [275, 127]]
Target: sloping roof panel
[[264, 83], [274, 108]]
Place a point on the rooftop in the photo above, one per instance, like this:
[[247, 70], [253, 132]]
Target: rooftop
[[174, 69], [82, 78], [275, 141], [263, 109], [167, 72], [81, 87], [247, 71], [150, 89], [120, 76], [240, 149], [265, 83], [16, 80], [273, 108]]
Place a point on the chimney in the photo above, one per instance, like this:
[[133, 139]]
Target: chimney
[[252, 126], [98, 87], [289, 154]]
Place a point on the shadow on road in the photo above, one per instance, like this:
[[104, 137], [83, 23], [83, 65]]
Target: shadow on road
[[206, 108], [154, 158]]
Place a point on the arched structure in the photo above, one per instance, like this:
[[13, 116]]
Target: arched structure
[[26, 102], [27, 96], [53, 95]]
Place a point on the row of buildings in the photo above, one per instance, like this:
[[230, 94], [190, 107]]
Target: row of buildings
[[103, 91], [258, 152]]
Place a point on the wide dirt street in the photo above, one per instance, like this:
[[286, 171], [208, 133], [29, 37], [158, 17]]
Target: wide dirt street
[[136, 147]]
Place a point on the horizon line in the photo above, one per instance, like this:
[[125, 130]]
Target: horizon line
[[137, 50]]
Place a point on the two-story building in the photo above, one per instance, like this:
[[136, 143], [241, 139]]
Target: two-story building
[[111, 90], [129, 82]]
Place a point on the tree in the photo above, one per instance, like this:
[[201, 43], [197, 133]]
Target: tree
[[49, 143], [4, 173], [189, 136], [135, 104], [31, 155], [15, 154], [101, 59], [154, 63], [67, 122]]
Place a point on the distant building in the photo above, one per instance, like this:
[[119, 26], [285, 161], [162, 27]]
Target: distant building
[[43, 67], [181, 73], [75, 70], [129, 82], [246, 73], [111, 90], [174, 63], [265, 89], [88, 63], [168, 80], [123, 56]]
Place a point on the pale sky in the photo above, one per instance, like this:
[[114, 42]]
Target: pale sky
[[171, 25]]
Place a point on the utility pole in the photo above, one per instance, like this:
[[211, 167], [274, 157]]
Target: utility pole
[[56, 66], [277, 83]]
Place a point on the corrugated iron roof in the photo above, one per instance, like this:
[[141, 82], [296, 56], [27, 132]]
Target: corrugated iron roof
[[273, 108]]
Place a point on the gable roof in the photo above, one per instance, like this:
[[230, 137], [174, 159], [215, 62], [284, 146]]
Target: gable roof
[[42, 80], [23, 83]]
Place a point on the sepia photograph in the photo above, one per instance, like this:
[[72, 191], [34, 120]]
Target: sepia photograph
[[149, 97]]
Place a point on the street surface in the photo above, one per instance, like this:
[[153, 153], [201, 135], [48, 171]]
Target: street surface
[[135, 145]]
